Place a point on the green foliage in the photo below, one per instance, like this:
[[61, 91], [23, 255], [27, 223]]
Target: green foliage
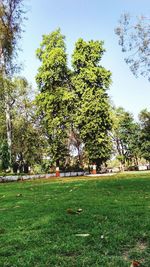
[[87, 53], [28, 139], [144, 117], [53, 70], [2, 122], [11, 16], [74, 103], [55, 98], [125, 135], [4, 155], [90, 82]]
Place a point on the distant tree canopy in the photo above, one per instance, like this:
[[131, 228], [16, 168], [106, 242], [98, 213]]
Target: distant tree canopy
[[27, 137], [125, 135], [134, 38]]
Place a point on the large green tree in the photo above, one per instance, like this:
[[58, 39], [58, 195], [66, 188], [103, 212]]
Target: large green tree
[[92, 116], [11, 15], [54, 100]]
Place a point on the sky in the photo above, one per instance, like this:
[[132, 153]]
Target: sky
[[88, 19]]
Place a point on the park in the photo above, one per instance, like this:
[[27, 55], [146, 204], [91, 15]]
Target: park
[[74, 134]]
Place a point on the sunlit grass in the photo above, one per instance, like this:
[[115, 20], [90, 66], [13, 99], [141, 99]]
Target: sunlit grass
[[40, 223]]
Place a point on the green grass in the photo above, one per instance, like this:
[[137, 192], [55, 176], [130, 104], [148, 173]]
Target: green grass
[[37, 231]]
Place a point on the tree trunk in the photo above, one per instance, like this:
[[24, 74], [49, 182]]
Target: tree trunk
[[8, 126], [79, 156], [57, 168], [7, 106]]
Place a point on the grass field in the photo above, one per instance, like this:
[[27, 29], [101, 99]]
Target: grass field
[[40, 224]]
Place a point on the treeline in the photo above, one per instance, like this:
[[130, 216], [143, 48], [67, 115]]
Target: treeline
[[70, 122]]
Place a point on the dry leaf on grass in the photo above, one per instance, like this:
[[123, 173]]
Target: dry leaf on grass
[[135, 264]]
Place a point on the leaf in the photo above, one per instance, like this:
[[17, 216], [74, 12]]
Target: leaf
[[83, 235], [79, 210], [135, 264]]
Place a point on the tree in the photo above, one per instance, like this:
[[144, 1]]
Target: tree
[[125, 136], [90, 82], [144, 117], [4, 155], [55, 97], [11, 12], [134, 38], [27, 137], [11, 16]]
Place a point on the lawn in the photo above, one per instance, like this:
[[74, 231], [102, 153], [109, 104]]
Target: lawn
[[76, 222]]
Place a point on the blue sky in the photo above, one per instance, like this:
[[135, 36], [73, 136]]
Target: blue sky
[[89, 19]]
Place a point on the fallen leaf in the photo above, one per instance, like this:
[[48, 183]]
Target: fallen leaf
[[135, 264], [83, 235], [79, 210]]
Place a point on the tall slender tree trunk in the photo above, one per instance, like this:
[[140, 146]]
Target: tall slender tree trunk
[[8, 126], [8, 105]]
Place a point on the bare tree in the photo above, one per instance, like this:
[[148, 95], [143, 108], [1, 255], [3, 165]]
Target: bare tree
[[134, 38]]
